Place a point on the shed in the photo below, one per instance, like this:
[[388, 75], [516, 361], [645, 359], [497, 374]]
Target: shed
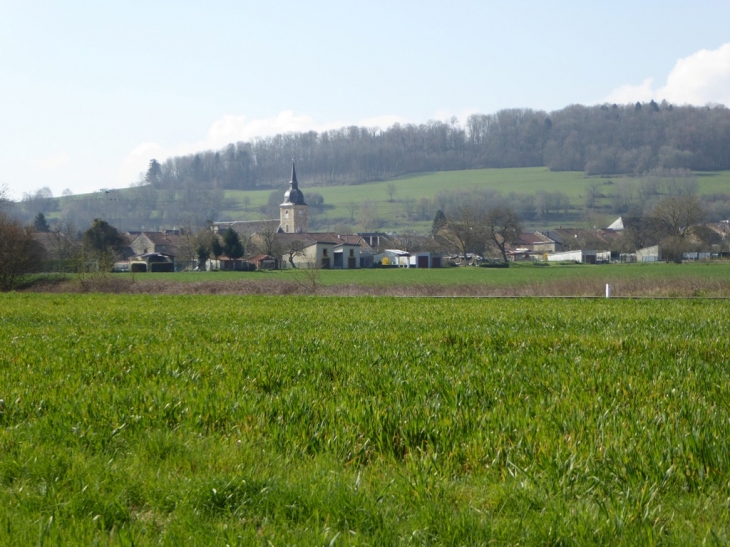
[[588, 257], [152, 262]]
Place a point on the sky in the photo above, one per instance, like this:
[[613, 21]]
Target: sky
[[91, 91]]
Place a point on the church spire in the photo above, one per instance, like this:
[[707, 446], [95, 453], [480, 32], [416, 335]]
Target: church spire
[[293, 216], [293, 182], [294, 194]]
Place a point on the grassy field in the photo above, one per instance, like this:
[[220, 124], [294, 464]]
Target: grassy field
[[516, 274], [221, 420], [521, 180], [630, 280]]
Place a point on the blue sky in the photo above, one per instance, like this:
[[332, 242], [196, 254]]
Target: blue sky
[[91, 91]]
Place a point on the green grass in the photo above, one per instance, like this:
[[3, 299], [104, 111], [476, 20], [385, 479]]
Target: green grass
[[516, 274], [217, 420], [520, 180]]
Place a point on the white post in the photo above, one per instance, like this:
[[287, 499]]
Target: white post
[[608, 290]]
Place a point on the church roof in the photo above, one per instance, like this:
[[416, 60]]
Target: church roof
[[293, 195]]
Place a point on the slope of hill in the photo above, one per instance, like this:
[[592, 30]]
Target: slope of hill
[[346, 204], [544, 199]]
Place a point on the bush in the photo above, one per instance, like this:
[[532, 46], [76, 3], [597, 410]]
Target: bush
[[494, 265]]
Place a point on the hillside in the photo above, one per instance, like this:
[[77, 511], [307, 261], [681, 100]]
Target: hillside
[[431, 191], [412, 205], [599, 140]]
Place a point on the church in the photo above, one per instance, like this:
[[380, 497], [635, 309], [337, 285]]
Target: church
[[290, 239], [294, 211]]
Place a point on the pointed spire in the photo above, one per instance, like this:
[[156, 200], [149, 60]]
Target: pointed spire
[[293, 182], [294, 194]]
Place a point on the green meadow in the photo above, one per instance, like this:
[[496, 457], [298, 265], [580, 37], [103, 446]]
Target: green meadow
[[520, 180], [708, 279], [517, 274], [224, 420]]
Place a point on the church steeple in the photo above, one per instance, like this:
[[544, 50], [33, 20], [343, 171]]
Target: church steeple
[[293, 212], [293, 181], [294, 194]]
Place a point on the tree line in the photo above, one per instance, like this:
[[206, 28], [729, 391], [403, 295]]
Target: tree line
[[602, 139]]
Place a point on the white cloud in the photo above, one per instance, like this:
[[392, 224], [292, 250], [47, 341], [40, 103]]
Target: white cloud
[[383, 122], [701, 78], [232, 128], [630, 93], [137, 162], [698, 79]]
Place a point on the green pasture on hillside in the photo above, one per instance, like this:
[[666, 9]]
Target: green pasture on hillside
[[219, 420], [520, 180]]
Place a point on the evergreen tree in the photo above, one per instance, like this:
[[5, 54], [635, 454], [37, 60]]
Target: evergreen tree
[[202, 253], [40, 224], [232, 246], [216, 249], [154, 173], [102, 237], [439, 221]]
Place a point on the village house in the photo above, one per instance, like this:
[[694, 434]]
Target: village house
[[290, 238], [166, 241], [300, 248], [535, 242]]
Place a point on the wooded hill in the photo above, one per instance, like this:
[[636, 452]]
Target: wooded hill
[[601, 139]]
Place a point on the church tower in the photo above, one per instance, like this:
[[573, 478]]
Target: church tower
[[294, 212]]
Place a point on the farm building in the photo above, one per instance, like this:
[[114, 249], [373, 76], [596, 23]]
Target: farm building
[[649, 254], [393, 257], [404, 259], [587, 257], [152, 262], [223, 263], [264, 262]]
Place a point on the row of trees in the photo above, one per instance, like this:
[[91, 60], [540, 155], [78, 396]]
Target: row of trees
[[474, 229], [602, 139], [22, 253], [208, 244]]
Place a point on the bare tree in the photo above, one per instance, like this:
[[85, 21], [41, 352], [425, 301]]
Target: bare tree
[[502, 228], [268, 239], [678, 215], [463, 229], [64, 242], [593, 193], [409, 241], [352, 206], [369, 217], [4, 200], [391, 189], [408, 206], [188, 248], [640, 232], [20, 254], [294, 248]]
